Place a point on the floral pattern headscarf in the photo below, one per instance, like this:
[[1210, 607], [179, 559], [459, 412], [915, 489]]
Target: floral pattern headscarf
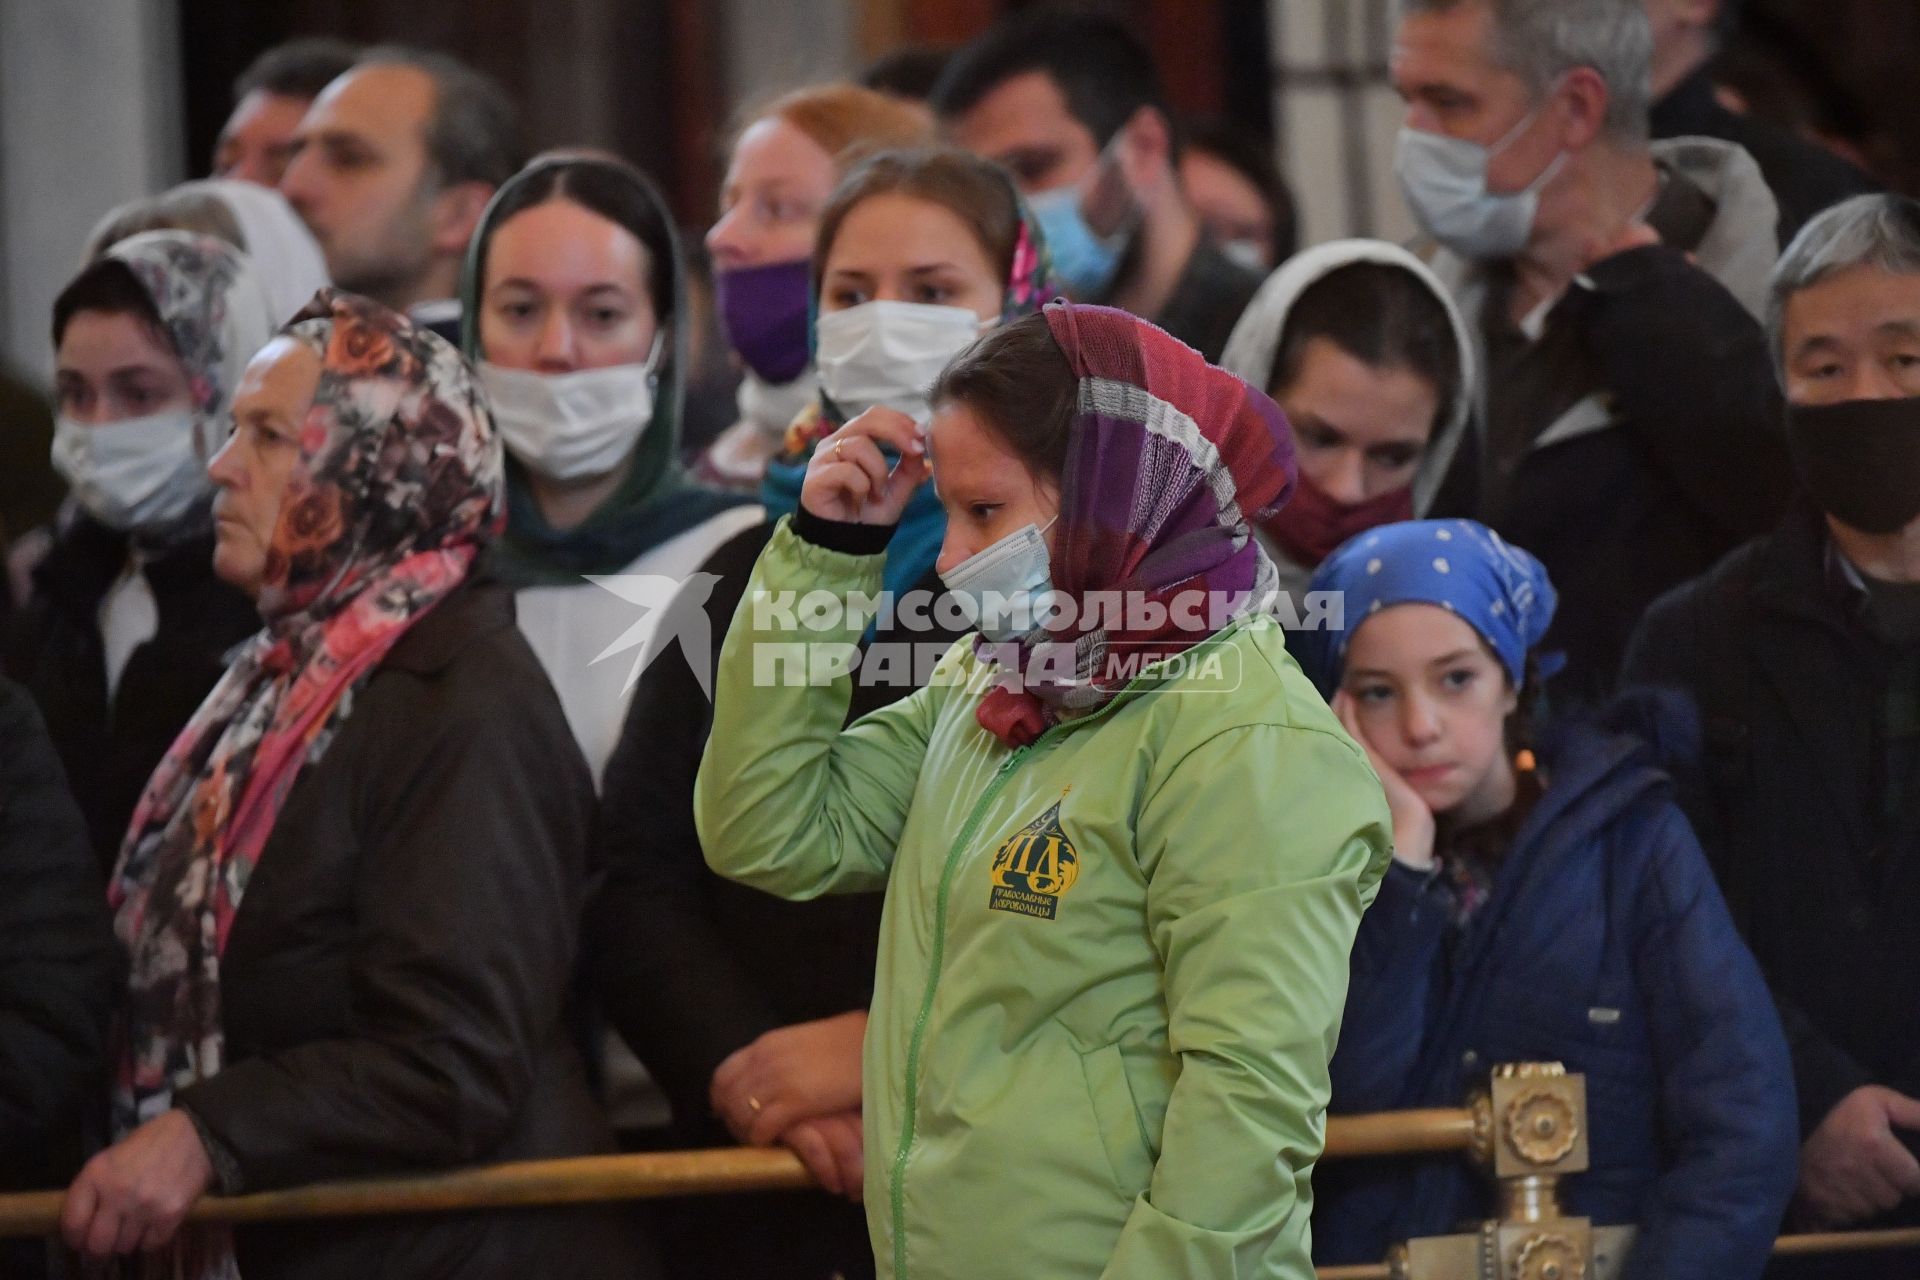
[[213, 310], [397, 488]]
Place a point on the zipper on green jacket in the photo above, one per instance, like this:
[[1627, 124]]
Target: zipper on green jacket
[[911, 1099], [912, 1095]]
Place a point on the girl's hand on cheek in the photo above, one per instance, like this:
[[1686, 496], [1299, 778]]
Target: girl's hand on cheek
[[1412, 819]]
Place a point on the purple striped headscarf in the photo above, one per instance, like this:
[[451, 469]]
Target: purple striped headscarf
[[1169, 463]]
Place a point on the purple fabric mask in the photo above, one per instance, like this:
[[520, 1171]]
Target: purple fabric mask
[[764, 311]]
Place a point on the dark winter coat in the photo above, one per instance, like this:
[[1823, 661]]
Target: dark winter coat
[[1603, 945], [60, 971], [54, 648], [393, 984], [691, 966], [1773, 688]]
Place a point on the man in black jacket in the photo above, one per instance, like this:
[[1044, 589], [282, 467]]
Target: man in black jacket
[[1070, 104], [1796, 726], [1626, 426], [1804, 176], [59, 970]]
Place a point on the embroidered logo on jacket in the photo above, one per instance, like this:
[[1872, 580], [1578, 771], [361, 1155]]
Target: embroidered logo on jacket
[[1034, 868]]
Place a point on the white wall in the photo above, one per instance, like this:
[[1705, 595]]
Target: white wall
[[89, 117], [776, 45], [1335, 116]]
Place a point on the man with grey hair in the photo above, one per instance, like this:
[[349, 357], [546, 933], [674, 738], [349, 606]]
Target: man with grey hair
[[1624, 432], [1796, 665], [392, 167]]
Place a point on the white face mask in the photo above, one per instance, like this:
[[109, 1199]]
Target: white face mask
[[138, 473], [1250, 254], [890, 353], [772, 406], [1445, 182], [573, 426], [1006, 586]]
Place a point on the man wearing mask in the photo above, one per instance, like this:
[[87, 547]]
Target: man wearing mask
[[1625, 428], [1070, 104], [1797, 722], [270, 99], [1803, 176], [392, 168]]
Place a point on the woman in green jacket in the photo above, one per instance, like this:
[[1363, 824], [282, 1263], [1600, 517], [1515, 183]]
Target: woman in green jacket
[[1124, 843]]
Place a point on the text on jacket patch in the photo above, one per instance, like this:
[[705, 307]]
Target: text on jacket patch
[[1034, 868]]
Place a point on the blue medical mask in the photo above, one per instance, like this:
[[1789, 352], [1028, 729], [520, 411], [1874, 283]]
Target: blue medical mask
[[1084, 261], [1006, 586], [1445, 182]]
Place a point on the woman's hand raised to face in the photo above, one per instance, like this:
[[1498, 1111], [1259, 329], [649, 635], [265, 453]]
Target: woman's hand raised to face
[[849, 479], [1412, 819]]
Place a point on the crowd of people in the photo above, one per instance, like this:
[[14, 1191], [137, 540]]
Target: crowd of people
[[1111, 687]]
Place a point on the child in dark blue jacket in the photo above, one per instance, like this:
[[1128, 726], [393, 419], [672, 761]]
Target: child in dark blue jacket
[[1558, 911]]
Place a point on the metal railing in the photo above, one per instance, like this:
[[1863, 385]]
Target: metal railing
[[1528, 1130]]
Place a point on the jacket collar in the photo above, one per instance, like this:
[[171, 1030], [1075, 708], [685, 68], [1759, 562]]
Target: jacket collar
[[1793, 576], [87, 558], [84, 561], [1592, 776], [1689, 108], [477, 608], [1812, 649]]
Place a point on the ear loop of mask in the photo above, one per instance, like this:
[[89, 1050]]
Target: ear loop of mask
[[1521, 126], [1108, 165]]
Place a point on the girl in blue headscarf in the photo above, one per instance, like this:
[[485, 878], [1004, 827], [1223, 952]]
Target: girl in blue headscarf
[[1540, 907]]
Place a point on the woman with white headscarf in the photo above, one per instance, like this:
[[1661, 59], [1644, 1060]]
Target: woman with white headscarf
[[128, 628], [286, 258], [1361, 346], [288, 266]]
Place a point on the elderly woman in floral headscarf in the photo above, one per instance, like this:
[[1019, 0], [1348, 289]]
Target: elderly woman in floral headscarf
[[1125, 845], [128, 627], [349, 891]]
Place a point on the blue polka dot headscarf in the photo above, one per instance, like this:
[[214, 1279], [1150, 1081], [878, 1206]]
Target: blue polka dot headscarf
[[1461, 565]]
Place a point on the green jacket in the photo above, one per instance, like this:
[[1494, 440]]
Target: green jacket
[[1112, 963]]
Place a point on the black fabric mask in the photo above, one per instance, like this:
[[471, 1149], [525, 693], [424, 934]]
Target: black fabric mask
[[1860, 459]]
